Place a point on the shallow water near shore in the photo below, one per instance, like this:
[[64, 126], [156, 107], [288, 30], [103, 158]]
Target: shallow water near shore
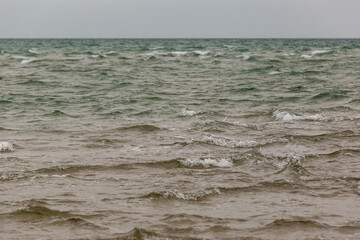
[[180, 139]]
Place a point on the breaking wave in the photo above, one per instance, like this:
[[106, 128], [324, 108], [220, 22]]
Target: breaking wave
[[6, 147], [188, 113], [207, 162], [174, 194], [286, 116], [233, 143]]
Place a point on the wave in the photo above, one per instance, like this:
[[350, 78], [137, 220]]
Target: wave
[[201, 53], [4, 102], [292, 164], [10, 176], [306, 56], [278, 185], [246, 56], [226, 142], [25, 59], [245, 89], [188, 113], [144, 128], [233, 143], [36, 211], [308, 225], [191, 163], [344, 151], [274, 73], [34, 51], [286, 116], [110, 53], [333, 95], [179, 53], [174, 194], [32, 82], [6, 147], [138, 233], [321, 51], [295, 223], [66, 169], [207, 162], [315, 52], [75, 58]]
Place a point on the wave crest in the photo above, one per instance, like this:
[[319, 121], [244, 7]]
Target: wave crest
[[174, 194], [6, 147], [207, 162], [286, 116]]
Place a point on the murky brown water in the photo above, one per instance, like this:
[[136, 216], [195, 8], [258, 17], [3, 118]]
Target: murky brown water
[[181, 139]]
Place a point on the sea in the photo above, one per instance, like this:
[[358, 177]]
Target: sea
[[180, 139]]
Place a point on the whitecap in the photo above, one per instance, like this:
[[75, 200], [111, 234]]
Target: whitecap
[[295, 155], [286, 116], [246, 56], [274, 73], [226, 142], [154, 53], [189, 196], [207, 162], [110, 53], [60, 176], [6, 146], [25, 59], [202, 53], [237, 123], [306, 56], [179, 53], [319, 51], [188, 113], [33, 50]]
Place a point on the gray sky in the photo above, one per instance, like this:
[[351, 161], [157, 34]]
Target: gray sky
[[180, 18]]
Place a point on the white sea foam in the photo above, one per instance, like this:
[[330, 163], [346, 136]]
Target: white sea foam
[[274, 73], [110, 53], [202, 53], [25, 59], [285, 116], [226, 142], [246, 56], [295, 155], [33, 50], [28, 60], [207, 162], [179, 53], [153, 53], [75, 58], [189, 196], [188, 113], [6, 146], [319, 51], [237, 123], [306, 56]]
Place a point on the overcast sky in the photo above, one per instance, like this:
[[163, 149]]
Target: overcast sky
[[180, 18]]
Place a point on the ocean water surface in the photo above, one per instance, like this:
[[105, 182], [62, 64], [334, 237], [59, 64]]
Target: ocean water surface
[[179, 139]]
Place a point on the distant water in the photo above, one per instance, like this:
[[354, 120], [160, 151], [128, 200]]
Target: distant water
[[180, 139]]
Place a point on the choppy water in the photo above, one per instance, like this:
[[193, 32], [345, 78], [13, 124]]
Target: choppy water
[[153, 139]]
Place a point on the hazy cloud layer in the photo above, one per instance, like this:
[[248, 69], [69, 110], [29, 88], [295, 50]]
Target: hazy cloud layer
[[180, 18]]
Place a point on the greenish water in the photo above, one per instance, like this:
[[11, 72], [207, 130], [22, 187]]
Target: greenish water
[[153, 139]]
